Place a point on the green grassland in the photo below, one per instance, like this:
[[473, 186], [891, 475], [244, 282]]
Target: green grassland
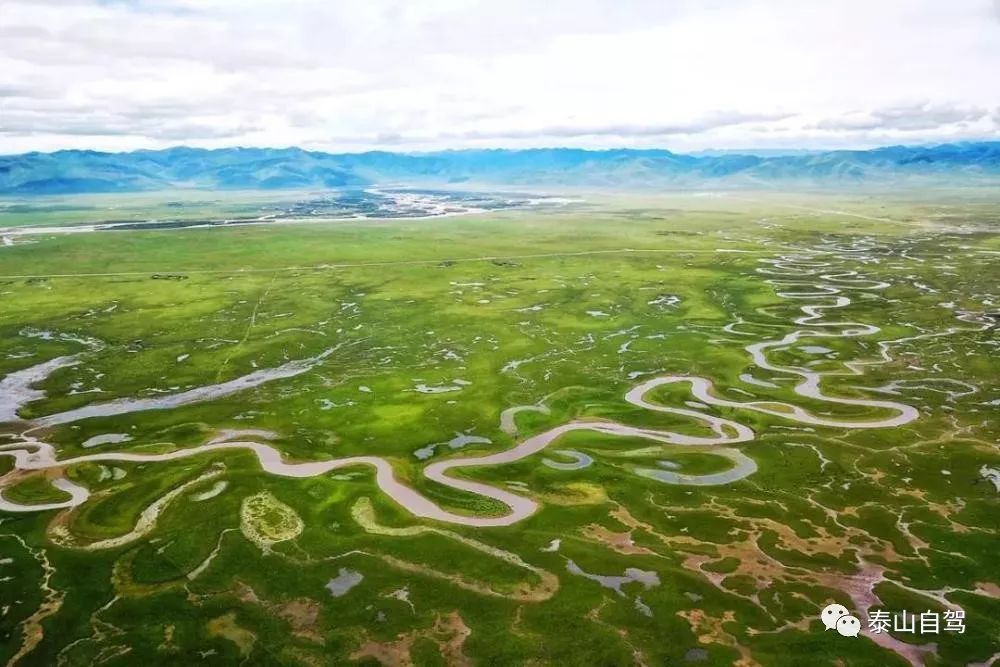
[[570, 308]]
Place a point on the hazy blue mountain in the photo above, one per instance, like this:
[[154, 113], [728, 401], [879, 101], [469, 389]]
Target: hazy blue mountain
[[273, 168]]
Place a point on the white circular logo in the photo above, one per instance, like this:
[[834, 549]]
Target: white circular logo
[[831, 614], [848, 626]]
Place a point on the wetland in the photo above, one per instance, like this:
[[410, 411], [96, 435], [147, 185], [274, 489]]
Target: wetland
[[431, 438]]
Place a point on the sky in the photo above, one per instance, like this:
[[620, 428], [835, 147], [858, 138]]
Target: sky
[[417, 75]]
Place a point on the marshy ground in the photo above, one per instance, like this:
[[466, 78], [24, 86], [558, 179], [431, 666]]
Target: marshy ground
[[705, 416]]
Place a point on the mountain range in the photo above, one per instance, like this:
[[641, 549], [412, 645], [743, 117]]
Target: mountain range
[[83, 171]]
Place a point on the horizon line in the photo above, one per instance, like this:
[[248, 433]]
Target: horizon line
[[733, 151]]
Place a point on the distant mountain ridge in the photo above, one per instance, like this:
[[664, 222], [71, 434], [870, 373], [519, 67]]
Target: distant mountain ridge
[[83, 171]]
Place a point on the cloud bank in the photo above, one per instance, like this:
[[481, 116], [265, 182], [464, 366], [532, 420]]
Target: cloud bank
[[423, 75]]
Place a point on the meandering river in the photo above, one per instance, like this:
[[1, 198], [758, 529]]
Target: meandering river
[[808, 272]]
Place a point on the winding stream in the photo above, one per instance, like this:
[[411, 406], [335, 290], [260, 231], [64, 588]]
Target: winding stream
[[802, 272]]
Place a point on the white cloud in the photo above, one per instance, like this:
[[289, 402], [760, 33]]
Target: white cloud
[[423, 74]]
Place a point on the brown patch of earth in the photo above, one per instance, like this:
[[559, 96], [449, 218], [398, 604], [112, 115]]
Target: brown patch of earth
[[226, 627], [301, 614], [449, 633], [523, 592], [620, 542], [709, 630]]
